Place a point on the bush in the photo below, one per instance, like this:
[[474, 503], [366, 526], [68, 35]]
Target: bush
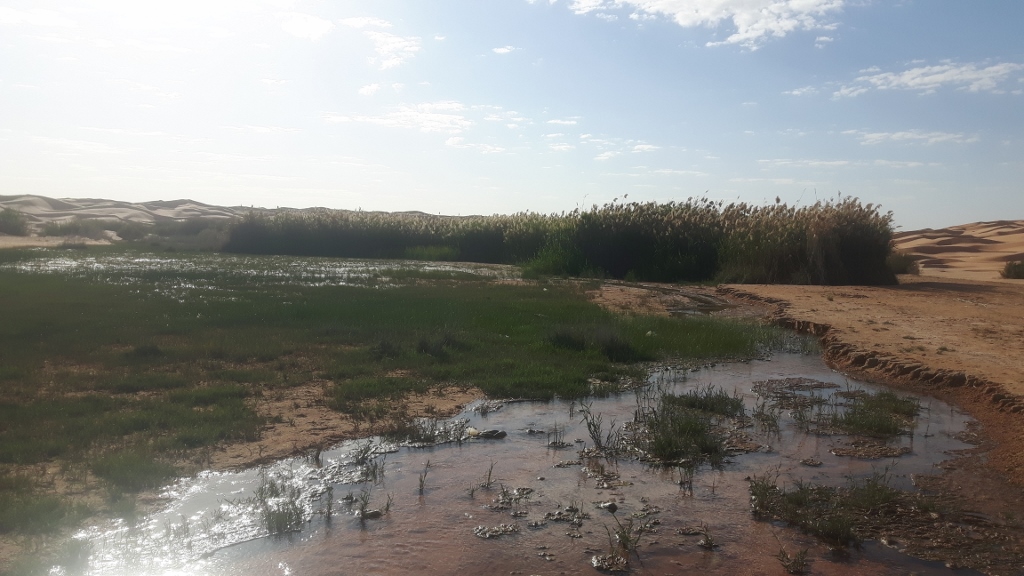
[[13, 222], [902, 263], [1014, 270], [75, 227]]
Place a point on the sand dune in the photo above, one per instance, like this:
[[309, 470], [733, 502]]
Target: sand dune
[[40, 210], [975, 251]]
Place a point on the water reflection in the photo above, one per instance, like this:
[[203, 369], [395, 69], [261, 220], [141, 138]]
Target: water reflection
[[216, 523]]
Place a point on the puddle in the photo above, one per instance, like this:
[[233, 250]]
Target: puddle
[[214, 523]]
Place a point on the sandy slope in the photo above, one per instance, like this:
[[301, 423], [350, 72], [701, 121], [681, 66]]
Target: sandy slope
[[975, 251]]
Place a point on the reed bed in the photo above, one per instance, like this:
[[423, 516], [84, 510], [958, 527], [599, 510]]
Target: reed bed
[[839, 241]]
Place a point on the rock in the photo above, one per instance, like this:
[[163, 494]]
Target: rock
[[492, 434], [609, 506]]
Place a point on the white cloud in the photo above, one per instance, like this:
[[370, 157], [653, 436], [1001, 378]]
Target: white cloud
[[34, 17], [606, 155], [438, 37], [364, 22], [607, 17], [972, 77], [563, 122], [504, 49], [822, 41], [561, 147], [755, 21], [898, 164], [306, 26], [460, 142], [392, 50], [444, 116], [369, 89], [804, 163], [644, 147], [805, 91], [911, 136]]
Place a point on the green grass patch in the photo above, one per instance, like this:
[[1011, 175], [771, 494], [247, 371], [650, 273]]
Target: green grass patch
[[132, 470], [880, 414]]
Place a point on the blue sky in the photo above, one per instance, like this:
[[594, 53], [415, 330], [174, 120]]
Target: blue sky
[[499, 106]]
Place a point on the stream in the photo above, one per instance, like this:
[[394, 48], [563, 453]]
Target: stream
[[437, 502]]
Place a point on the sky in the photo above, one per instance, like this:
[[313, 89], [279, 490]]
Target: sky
[[502, 106]]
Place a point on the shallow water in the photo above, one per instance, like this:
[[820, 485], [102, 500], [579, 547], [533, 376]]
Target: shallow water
[[212, 526], [186, 274]]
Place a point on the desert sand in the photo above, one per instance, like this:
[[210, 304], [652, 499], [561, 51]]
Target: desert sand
[[975, 251]]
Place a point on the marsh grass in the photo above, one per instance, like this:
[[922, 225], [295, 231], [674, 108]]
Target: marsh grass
[[838, 516], [684, 428], [835, 242]]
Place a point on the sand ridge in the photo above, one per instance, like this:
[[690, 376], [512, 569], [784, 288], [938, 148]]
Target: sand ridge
[[975, 251]]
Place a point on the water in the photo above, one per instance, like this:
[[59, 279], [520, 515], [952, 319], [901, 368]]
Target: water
[[212, 526]]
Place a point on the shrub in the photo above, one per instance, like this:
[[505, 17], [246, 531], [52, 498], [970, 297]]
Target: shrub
[[902, 263], [13, 222], [74, 227], [1014, 270]]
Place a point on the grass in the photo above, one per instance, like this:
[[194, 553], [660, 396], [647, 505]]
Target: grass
[[880, 414], [838, 516], [683, 428], [127, 369]]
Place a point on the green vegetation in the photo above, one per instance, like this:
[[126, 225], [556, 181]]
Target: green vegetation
[[13, 222], [840, 516], [684, 429], [836, 242], [1014, 270], [902, 263], [75, 227], [124, 374]]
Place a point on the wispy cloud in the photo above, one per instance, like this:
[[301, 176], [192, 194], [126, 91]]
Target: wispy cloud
[[645, 148], [369, 89], [911, 137], [803, 163], [445, 116], [34, 17], [972, 77], [306, 26], [755, 21], [392, 49], [804, 91], [366, 22], [460, 142], [504, 49], [563, 122]]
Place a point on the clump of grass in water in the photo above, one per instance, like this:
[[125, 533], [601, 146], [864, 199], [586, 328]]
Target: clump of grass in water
[[795, 564], [708, 398], [673, 431], [279, 505], [881, 414], [831, 514]]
